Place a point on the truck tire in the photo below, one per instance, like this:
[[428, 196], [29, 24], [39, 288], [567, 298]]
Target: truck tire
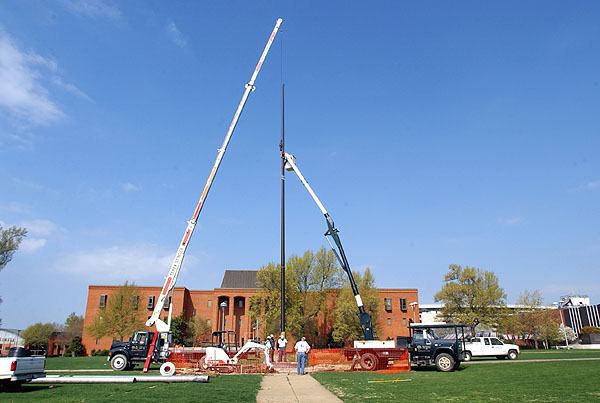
[[167, 369], [203, 365], [119, 362], [512, 355], [368, 361], [467, 356], [444, 362]]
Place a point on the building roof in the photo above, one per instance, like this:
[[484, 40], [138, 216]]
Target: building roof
[[239, 279]]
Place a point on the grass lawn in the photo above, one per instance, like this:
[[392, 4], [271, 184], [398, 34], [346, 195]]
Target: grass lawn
[[65, 363], [221, 388], [555, 381]]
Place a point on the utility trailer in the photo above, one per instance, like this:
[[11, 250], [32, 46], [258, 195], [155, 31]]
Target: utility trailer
[[374, 355]]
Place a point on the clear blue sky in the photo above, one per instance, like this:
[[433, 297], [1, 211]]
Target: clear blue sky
[[435, 133]]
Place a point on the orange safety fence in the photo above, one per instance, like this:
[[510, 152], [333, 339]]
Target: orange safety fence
[[326, 356]]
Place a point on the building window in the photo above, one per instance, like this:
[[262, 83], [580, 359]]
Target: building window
[[151, 302], [97, 341], [167, 302], [403, 321], [193, 312], [387, 303], [241, 303], [239, 323], [103, 300], [209, 303], [208, 322], [389, 321], [134, 302], [403, 304]]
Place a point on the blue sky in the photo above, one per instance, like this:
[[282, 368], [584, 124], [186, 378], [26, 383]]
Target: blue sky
[[434, 133]]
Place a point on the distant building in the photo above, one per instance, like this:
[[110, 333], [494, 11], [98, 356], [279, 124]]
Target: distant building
[[398, 307], [9, 338], [577, 312]]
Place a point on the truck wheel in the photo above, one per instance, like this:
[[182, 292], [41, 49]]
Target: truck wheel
[[118, 362], [467, 356], [444, 362], [368, 361], [203, 365], [512, 355], [167, 369]]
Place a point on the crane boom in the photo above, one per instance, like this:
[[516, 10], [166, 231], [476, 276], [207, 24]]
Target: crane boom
[[178, 260], [365, 318]]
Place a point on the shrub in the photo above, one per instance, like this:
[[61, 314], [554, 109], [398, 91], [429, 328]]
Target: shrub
[[589, 330], [76, 348]]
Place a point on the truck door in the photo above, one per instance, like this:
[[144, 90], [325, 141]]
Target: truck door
[[139, 344], [497, 346]]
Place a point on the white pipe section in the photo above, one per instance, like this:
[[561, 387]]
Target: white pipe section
[[121, 379]]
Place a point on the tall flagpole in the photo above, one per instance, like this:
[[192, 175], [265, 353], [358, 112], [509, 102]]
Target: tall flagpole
[[283, 161]]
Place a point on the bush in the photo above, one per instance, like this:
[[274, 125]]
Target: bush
[[76, 348], [589, 330], [103, 353]]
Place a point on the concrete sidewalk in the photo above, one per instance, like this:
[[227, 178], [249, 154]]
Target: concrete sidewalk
[[290, 387]]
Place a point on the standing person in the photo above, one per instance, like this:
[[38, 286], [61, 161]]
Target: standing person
[[272, 341], [302, 348], [281, 346]]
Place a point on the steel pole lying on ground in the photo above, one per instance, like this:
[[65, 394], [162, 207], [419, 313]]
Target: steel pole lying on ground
[[121, 379]]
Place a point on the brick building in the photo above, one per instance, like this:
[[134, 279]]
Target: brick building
[[398, 307]]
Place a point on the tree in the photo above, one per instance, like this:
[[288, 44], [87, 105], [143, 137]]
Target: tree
[[76, 348], [471, 296], [39, 334], [346, 323], [121, 316], [183, 331], [10, 239], [536, 321], [74, 324], [309, 279], [201, 330]]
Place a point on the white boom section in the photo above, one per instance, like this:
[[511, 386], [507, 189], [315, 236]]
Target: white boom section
[[177, 261], [291, 160]]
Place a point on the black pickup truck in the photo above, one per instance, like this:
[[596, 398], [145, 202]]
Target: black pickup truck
[[126, 354], [439, 344]]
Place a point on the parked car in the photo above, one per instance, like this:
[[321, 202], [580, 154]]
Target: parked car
[[490, 347]]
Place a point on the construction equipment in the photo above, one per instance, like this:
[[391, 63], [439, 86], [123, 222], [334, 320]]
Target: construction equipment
[[217, 359], [171, 278], [365, 318], [372, 354]]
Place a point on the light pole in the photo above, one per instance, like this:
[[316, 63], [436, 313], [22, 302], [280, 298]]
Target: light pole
[[223, 306], [413, 305]]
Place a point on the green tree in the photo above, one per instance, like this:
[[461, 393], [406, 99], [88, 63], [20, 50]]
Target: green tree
[[39, 334], [74, 324], [10, 239], [76, 348], [183, 330], [471, 296], [121, 316], [309, 279], [346, 322]]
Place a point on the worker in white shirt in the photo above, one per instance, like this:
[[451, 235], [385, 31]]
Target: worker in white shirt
[[302, 348], [281, 346]]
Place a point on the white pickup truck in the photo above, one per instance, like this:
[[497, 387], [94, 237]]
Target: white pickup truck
[[20, 367], [489, 347]]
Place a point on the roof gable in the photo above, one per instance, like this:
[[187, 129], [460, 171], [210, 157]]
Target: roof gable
[[239, 279]]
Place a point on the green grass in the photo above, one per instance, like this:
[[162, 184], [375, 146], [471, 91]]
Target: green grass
[[63, 363], [557, 354], [556, 381], [221, 388]]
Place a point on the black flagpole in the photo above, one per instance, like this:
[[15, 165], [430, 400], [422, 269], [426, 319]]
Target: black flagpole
[[281, 147]]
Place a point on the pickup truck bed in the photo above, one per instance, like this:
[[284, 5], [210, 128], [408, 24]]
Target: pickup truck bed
[[21, 367]]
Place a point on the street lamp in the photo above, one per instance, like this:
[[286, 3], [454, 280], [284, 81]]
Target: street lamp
[[413, 305], [223, 306]]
